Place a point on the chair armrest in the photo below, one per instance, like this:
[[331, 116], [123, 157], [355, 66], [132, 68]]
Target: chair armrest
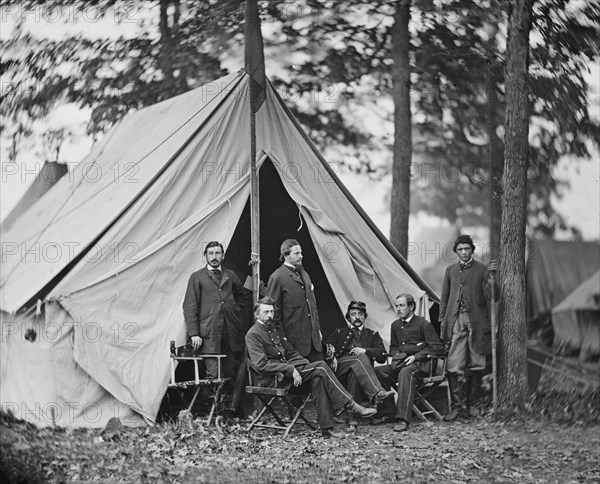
[[253, 371]]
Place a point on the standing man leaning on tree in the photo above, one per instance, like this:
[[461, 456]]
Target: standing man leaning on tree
[[465, 324], [293, 295]]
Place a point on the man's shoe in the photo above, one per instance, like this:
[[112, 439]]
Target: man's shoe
[[401, 426], [329, 433], [452, 415], [357, 410], [382, 395], [385, 419]]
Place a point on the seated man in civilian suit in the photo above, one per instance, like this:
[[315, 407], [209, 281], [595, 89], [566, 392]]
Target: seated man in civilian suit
[[355, 348], [211, 309], [271, 353], [412, 340]]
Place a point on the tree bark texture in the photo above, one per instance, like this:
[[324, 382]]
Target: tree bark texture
[[512, 336], [401, 164]]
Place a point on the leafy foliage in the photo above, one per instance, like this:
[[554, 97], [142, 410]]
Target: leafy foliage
[[531, 449], [334, 69]]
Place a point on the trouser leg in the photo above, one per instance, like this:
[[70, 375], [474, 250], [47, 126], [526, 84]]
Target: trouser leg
[[354, 388], [227, 364], [457, 363], [362, 370], [407, 386], [338, 395], [388, 377], [322, 402]]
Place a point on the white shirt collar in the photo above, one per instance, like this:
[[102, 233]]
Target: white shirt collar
[[211, 268]]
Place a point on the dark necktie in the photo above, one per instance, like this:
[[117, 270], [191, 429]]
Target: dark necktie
[[217, 273]]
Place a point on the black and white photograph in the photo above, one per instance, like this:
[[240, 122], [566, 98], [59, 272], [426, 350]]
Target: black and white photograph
[[300, 241]]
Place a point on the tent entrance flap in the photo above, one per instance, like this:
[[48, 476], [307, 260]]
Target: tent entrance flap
[[280, 219]]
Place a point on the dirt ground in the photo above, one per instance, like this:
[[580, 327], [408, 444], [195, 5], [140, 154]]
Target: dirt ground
[[537, 447]]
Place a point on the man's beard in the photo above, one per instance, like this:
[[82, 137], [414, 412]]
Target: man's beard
[[268, 321], [298, 266]]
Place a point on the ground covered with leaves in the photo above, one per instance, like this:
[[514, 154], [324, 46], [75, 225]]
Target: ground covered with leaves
[[553, 441]]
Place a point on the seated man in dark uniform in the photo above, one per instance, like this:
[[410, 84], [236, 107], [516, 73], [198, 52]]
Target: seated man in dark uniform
[[271, 353], [412, 340], [355, 349]]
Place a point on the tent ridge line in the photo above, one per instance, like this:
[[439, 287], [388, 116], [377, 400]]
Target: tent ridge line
[[382, 238]]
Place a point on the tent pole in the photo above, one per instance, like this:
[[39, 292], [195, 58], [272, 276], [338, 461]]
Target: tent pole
[[493, 306], [254, 207], [255, 66]]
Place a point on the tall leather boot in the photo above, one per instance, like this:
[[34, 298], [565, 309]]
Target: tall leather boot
[[474, 390], [457, 397]]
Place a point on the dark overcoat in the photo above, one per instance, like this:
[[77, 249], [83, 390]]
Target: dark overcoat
[[342, 337], [476, 289], [211, 307], [296, 308]]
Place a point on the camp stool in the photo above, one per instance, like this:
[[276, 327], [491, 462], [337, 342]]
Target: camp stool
[[215, 385], [422, 407], [269, 397]]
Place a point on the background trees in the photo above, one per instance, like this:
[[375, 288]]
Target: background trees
[[332, 62]]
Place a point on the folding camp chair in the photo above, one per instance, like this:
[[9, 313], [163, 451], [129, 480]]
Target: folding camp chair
[[286, 399], [436, 378], [215, 385]]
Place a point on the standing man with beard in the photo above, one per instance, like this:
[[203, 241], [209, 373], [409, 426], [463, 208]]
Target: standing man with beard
[[271, 353], [211, 309], [465, 324], [293, 294]]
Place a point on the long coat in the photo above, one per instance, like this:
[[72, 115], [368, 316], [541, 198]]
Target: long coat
[[210, 307], [296, 308], [476, 290], [342, 337]]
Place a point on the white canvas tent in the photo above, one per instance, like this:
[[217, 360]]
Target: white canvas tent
[[576, 320], [109, 251]]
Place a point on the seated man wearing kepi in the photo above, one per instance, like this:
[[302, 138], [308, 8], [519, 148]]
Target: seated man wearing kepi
[[355, 349], [412, 340], [271, 353]]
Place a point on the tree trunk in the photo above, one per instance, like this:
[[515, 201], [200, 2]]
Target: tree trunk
[[401, 165], [512, 350]]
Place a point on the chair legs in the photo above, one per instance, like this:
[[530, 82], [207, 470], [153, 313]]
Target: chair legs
[[285, 424]]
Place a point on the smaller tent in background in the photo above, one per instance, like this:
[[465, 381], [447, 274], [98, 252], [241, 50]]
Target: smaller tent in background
[[50, 173], [554, 269], [576, 320]]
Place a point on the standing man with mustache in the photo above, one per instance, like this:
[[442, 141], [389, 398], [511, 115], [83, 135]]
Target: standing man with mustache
[[293, 294], [212, 311]]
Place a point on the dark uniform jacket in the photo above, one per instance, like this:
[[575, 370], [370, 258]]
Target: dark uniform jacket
[[416, 337], [210, 307], [475, 285], [343, 341], [296, 308], [271, 352]]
